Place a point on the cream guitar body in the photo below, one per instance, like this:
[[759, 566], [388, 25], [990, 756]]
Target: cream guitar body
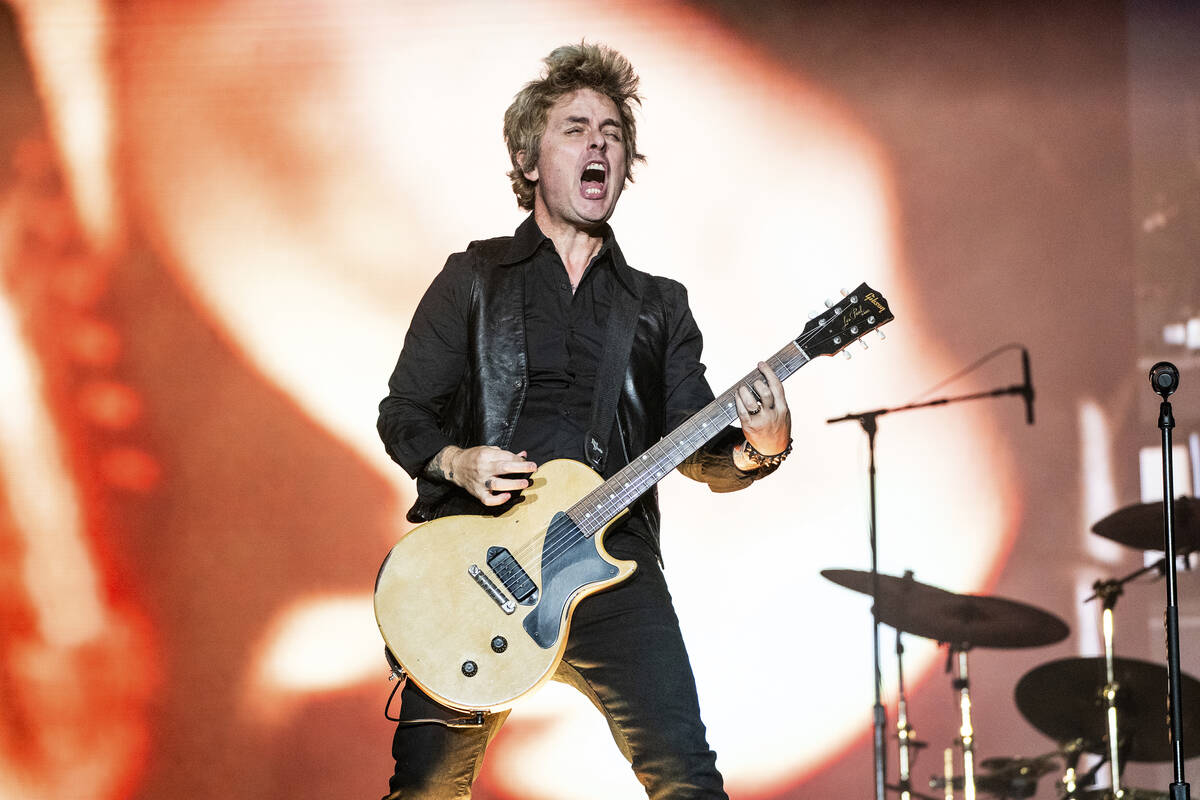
[[476, 647]]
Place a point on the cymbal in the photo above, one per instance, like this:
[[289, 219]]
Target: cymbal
[[1064, 700], [965, 620], [1141, 526]]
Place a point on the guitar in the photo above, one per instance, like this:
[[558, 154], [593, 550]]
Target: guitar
[[477, 609]]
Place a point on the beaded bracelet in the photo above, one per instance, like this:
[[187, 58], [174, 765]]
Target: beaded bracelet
[[766, 461]]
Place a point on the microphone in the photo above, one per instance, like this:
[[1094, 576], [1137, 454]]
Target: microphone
[[1027, 389], [1164, 379]]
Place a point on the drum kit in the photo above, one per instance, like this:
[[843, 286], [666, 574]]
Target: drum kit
[[1114, 708]]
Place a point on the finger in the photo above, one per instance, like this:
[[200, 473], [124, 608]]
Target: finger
[[509, 467], [773, 382], [508, 484], [764, 393], [750, 401], [743, 413], [753, 392], [490, 499]]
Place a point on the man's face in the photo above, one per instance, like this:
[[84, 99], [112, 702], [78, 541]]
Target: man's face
[[581, 168]]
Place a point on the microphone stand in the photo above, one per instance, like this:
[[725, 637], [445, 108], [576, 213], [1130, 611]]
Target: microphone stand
[[1164, 378], [867, 419]]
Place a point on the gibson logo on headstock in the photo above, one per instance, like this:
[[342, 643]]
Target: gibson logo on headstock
[[873, 299]]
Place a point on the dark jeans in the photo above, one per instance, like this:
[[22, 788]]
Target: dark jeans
[[625, 653]]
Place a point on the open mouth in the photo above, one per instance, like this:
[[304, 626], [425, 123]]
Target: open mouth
[[592, 181]]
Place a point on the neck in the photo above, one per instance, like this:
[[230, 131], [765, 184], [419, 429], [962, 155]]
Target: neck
[[576, 246]]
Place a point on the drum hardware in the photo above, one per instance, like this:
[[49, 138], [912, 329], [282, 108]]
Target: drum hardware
[[960, 621], [904, 731], [868, 420], [966, 733], [1126, 794], [1004, 778], [913, 793]]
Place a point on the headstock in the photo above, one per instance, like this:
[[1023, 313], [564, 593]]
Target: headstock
[[858, 313]]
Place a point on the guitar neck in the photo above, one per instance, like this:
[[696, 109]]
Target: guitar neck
[[599, 507]]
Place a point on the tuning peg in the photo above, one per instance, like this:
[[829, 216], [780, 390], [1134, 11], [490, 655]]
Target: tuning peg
[[845, 292], [880, 334], [829, 304], [813, 313], [864, 344], [846, 353]]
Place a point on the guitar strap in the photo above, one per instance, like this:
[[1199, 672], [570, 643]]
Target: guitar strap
[[622, 322]]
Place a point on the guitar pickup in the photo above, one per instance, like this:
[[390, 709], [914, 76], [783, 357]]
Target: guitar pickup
[[512, 575]]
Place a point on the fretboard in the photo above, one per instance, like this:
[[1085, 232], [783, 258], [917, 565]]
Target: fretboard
[[596, 509]]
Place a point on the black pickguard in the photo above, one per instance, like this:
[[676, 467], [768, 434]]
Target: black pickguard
[[570, 561]]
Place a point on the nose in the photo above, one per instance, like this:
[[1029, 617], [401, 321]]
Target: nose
[[598, 142]]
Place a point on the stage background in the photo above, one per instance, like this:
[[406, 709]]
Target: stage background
[[217, 217]]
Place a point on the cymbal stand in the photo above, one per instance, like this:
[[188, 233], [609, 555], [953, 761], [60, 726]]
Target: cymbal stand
[[966, 733], [1110, 592], [904, 731], [1164, 379]]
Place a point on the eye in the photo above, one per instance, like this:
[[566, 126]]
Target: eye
[[574, 129], [614, 135]]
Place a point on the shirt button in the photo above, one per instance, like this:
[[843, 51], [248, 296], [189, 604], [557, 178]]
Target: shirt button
[[517, 383]]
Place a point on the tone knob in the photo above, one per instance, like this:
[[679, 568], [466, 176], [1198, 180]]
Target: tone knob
[[470, 668], [499, 644]]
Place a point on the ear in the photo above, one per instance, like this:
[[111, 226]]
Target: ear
[[530, 174]]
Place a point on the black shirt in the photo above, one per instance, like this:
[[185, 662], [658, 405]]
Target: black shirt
[[564, 337]]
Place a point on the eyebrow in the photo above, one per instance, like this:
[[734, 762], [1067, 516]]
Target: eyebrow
[[585, 120]]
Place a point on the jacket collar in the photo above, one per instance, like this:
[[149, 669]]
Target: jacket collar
[[529, 237]]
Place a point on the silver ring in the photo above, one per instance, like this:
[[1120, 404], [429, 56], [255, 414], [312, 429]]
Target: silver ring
[[755, 411], [488, 484]]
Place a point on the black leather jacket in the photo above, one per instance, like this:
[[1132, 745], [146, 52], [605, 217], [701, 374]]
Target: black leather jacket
[[472, 316]]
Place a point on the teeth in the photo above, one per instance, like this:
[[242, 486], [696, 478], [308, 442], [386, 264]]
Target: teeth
[[597, 165]]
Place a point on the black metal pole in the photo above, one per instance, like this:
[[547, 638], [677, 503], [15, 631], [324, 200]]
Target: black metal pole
[[1164, 378], [868, 425]]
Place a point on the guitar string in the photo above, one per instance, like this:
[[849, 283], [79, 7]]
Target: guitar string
[[562, 535]]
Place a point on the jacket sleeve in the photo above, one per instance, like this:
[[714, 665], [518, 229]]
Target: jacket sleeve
[[430, 368], [687, 391]]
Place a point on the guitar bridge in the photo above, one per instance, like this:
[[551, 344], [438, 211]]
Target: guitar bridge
[[512, 575], [493, 591]]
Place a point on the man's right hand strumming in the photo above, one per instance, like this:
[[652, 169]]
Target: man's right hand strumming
[[485, 471]]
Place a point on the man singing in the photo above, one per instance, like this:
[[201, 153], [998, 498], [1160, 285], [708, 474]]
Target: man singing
[[519, 353]]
